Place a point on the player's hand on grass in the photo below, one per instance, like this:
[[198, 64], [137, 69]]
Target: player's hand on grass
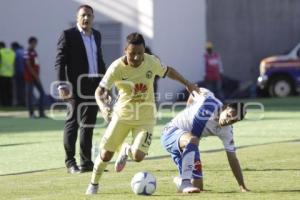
[[244, 189]]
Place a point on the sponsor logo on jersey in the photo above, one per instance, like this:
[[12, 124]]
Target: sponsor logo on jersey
[[140, 88], [140, 92]]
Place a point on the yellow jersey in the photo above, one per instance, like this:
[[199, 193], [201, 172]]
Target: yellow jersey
[[135, 99]]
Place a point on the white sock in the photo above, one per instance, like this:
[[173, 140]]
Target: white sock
[[99, 167]]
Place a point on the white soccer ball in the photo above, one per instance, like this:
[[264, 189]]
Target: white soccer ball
[[143, 183]]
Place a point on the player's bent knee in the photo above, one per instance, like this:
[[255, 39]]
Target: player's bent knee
[[106, 155], [187, 138], [194, 140]]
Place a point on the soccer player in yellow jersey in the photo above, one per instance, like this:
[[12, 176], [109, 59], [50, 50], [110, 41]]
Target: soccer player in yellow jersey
[[133, 75]]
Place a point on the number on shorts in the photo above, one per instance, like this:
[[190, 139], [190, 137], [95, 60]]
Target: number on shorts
[[148, 138]]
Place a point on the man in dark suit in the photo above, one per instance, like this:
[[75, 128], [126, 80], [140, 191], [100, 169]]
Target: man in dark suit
[[80, 66]]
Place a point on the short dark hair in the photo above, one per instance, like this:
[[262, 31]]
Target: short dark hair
[[15, 45], [2, 44], [148, 50], [85, 6], [32, 39], [240, 109], [135, 39]]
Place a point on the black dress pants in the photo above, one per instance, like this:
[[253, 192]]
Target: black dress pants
[[83, 117], [6, 92], [82, 114]]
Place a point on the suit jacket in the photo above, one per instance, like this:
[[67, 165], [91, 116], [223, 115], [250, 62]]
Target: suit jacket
[[71, 60]]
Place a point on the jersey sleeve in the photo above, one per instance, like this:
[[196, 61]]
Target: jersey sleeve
[[205, 92], [227, 138], [109, 77], [159, 69]]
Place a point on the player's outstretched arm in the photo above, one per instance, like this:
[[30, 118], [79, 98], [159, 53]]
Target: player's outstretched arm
[[173, 74], [202, 92], [104, 100], [236, 170]]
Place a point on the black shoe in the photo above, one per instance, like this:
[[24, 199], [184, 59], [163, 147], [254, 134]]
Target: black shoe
[[84, 169], [73, 169], [44, 116], [32, 116]]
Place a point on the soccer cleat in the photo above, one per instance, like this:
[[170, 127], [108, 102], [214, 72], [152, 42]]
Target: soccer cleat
[[92, 189], [185, 186], [32, 116], [122, 158]]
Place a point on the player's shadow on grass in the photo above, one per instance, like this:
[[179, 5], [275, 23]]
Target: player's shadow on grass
[[278, 118], [225, 192], [26, 125], [265, 191], [263, 170], [276, 191], [30, 172], [221, 149], [251, 170], [19, 144]]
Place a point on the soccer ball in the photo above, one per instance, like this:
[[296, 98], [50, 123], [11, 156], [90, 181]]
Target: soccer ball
[[143, 183]]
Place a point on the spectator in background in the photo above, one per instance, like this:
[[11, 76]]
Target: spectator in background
[[79, 61], [213, 71], [18, 80], [7, 59], [32, 79]]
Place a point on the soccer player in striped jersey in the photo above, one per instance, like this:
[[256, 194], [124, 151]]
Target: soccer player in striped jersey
[[204, 116]]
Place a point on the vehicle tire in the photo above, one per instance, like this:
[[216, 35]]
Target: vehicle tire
[[280, 87]]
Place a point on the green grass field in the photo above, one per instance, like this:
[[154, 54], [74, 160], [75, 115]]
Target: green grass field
[[32, 160]]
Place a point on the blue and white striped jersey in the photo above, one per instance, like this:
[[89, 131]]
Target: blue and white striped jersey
[[199, 119]]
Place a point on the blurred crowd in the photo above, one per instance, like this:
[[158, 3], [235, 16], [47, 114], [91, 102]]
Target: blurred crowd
[[19, 75]]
